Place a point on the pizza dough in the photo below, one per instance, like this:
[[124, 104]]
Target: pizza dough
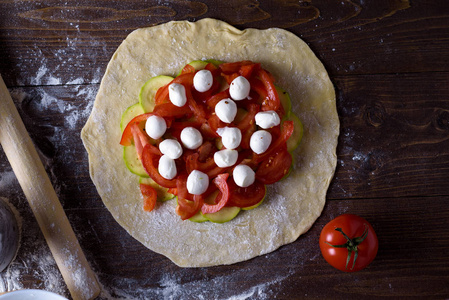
[[291, 205]]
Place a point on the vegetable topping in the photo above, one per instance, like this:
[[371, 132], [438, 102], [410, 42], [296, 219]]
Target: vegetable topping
[[214, 137]]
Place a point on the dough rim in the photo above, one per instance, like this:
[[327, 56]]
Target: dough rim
[[294, 203]]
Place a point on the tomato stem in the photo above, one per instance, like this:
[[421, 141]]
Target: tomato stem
[[351, 244]]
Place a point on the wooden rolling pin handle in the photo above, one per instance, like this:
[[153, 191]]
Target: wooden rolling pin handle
[[30, 172]]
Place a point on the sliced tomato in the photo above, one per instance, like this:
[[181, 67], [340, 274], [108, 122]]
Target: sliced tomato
[[213, 100], [162, 94], [245, 197], [141, 140], [149, 162], [272, 102], [149, 196], [193, 163], [275, 167], [187, 208], [220, 182], [286, 132], [206, 151], [247, 125], [168, 109], [248, 70], [234, 67], [173, 191], [188, 69], [214, 123], [127, 135]]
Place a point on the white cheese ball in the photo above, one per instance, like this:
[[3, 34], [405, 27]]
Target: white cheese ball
[[203, 80], [155, 127], [260, 141], [239, 88], [170, 147], [226, 110], [177, 94], [167, 167], [197, 182], [230, 137], [191, 138], [243, 176], [267, 119], [226, 158]]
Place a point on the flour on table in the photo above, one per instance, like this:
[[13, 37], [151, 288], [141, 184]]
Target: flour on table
[[171, 287]]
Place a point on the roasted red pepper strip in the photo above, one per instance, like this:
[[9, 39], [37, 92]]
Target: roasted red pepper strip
[[148, 162], [149, 196], [220, 182]]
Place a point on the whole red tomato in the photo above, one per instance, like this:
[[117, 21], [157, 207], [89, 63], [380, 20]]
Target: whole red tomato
[[348, 243]]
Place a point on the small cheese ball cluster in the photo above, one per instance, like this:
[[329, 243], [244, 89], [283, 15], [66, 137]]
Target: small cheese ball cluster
[[231, 137]]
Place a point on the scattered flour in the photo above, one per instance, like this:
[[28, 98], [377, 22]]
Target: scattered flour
[[171, 288]]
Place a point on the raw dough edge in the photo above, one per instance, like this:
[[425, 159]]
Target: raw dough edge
[[291, 206]]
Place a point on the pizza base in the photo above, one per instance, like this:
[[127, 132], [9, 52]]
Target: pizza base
[[291, 205]]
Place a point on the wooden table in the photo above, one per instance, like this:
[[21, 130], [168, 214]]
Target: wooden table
[[389, 63]]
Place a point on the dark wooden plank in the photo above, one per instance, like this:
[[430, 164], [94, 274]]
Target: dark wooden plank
[[49, 43], [412, 260], [394, 136]]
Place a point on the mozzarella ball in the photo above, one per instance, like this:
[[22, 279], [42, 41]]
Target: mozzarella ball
[[191, 138], [197, 182], [226, 158], [230, 137], [171, 148], [239, 88], [267, 119], [260, 141], [226, 110], [243, 176], [155, 127], [203, 80], [167, 167], [177, 94]]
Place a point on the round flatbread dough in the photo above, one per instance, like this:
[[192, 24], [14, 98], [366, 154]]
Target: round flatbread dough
[[291, 205]]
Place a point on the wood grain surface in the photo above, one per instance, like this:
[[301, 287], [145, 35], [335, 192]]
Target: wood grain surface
[[389, 62]]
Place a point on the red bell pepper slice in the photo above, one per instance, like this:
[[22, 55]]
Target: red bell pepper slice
[[149, 196], [148, 162], [220, 182]]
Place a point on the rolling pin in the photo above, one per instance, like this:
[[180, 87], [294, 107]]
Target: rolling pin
[[30, 172]]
